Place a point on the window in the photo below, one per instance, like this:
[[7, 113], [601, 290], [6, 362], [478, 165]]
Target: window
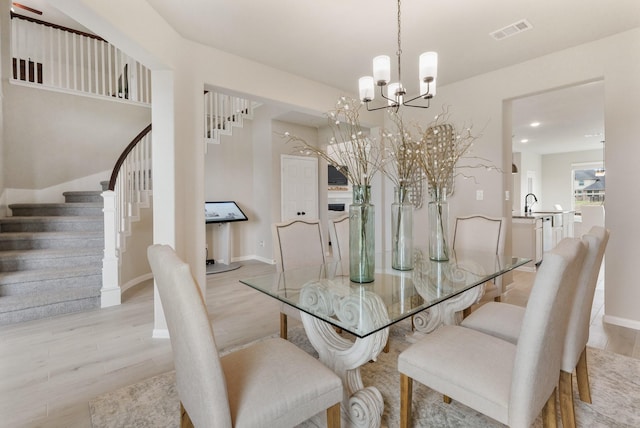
[[588, 186]]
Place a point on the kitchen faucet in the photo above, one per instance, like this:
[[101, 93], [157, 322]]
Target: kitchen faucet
[[527, 207]]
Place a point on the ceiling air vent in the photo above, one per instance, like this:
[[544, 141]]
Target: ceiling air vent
[[512, 29]]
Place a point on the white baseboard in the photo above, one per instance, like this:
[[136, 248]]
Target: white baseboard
[[136, 281], [160, 333], [622, 322], [254, 257]]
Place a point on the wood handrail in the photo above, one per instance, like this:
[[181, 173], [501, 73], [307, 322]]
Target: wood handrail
[[123, 156], [56, 26]]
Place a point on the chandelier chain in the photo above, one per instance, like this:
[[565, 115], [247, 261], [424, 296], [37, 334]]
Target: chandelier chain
[[399, 51]]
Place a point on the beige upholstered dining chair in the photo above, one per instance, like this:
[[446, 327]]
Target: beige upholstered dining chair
[[507, 382], [339, 236], [591, 215], [504, 321], [482, 233], [296, 243], [272, 383]]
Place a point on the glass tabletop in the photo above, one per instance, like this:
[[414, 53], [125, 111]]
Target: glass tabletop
[[326, 292]]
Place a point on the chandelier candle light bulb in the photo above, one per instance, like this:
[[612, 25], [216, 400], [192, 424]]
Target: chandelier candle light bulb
[[382, 70], [428, 64], [367, 92]]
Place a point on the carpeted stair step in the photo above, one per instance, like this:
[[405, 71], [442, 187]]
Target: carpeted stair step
[[52, 224], [83, 196], [51, 257], [45, 259], [31, 282], [27, 307], [63, 209], [12, 241]]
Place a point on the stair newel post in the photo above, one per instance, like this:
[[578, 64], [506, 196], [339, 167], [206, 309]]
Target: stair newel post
[[110, 291]]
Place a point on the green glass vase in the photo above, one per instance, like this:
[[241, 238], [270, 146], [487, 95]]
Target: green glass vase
[[438, 215], [401, 230], [361, 236]]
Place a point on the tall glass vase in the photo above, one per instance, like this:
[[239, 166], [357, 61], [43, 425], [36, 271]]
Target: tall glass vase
[[438, 213], [401, 230], [361, 236]]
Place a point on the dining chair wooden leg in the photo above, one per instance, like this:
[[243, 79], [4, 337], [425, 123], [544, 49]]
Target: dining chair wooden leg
[[582, 376], [446, 399], [566, 400], [497, 299], [406, 391], [333, 416], [549, 412], [283, 326], [185, 420], [466, 312]]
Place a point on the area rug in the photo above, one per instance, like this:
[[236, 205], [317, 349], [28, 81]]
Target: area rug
[[615, 390]]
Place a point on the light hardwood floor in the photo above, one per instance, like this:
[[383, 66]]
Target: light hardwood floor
[[50, 369]]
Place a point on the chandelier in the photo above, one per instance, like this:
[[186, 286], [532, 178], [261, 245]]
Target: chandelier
[[396, 92]]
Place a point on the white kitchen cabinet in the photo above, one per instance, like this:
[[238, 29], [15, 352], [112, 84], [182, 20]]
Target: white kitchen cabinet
[[567, 224], [527, 240]]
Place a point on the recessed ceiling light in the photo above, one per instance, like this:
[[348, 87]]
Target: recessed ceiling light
[[524, 141], [534, 124]]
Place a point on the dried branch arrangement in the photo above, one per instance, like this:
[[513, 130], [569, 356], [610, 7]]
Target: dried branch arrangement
[[442, 148], [433, 153], [402, 154], [350, 149]]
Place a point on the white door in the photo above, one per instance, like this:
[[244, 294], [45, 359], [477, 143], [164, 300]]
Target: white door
[[299, 187]]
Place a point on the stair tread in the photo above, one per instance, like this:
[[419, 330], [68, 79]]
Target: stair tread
[[56, 204], [53, 273], [82, 192], [52, 218], [25, 301], [50, 253], [8, 236]]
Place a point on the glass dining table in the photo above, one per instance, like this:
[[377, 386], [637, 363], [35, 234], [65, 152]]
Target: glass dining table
[[434, 293]]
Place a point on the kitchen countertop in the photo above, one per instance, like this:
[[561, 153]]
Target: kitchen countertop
[[536, 214]]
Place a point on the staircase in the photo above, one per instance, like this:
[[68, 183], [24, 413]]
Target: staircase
[[51, 258], [224, 112]]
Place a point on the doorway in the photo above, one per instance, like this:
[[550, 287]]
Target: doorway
[[551, 132]]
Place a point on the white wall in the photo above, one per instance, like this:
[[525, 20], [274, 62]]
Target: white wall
[[134, 267], [228, 176], [530, 168], [557, 178], [615, 59], [53, 137]]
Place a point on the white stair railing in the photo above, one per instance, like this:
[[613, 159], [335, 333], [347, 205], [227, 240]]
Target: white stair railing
[[130, 190], [58, 58], [223, 112]]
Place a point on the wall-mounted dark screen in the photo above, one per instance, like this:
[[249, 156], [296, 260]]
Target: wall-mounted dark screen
[[335, 177], [223, 212]]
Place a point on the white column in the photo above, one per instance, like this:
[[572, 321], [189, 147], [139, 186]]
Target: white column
[[164, 179]]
